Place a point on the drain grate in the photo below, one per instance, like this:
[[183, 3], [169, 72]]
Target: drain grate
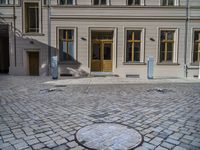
[[50, 90], [158, 90]]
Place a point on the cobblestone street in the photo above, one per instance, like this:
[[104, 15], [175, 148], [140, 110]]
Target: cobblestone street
[[38, 113]]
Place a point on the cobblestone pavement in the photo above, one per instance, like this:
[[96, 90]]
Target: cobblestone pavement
[[37, 114]]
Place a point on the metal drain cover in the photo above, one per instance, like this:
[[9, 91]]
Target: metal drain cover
[[100, 136]]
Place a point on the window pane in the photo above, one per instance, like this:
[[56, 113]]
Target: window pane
[[63, 51], [137, 35], [137, 2], [71, 51], [162, 52], [137, 51], [196, 46], [129, 35], [169, 56], [162, 47], [170, 2], [2, 1], [164, 2], [196, 35], [130, 2], [129, 52], [107, 51], [195, 56], [62, 2], [96, 2], [96, 51], [69, 2], [170, 47], [103, 2], [170, 35], [162, 35], [70, 34]]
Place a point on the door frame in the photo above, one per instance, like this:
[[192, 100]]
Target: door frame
[[114, 45]]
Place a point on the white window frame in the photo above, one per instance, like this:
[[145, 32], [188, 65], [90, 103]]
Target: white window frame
[[142, 3], [176, 3], [24, 17], [142, 50], [75, 42], [192, 46], [176, 44], [107, 3]]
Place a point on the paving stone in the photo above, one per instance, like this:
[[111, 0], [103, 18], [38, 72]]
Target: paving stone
[[160, 148], [9, 148], [21, 145], [179, 148], [72, 144], [172, 141], [38, 146], [33, 141], [167, 145], [61, 141], [61, 147]]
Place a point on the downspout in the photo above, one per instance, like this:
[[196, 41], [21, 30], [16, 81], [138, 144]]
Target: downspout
[[186, 37], [49, 37], [14, 31]]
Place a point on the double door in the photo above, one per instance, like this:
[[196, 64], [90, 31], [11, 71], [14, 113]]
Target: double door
[[102, 52]]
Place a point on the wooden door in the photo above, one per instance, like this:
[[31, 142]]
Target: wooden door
[[33, 63], [101, 56]]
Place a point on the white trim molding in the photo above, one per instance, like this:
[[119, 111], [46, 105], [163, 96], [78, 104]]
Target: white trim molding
[[176, 45]]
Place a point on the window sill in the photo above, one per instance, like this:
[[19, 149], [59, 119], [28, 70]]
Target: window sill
[[33, 34], [194, 64], [168, 64], [130, 63]]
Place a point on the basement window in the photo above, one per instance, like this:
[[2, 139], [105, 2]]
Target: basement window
[[167, 2], [67, 2], [133, 2], [100, 2]]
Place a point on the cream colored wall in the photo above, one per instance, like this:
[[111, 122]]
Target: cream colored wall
[[150, 17]]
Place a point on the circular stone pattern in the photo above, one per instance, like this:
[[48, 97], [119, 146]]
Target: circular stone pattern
[[108, 136]]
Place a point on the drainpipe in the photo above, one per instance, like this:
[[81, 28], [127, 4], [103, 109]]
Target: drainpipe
[[14, 31], [49, 37], [186, 37]]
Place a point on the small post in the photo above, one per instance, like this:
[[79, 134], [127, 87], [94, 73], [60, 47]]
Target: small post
[[150, 67], [54, 67]]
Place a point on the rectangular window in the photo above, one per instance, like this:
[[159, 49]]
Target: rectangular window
[[66, 2], [196, 49], [66, 45], [133, 2], [31, 17], [133, 47], [167, 2], [99, 2], [167, 46]]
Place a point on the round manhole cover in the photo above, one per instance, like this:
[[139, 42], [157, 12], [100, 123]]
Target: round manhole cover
[[108, 136]]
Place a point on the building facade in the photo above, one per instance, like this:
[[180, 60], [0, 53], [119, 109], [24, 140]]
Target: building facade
[[107, 36]]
